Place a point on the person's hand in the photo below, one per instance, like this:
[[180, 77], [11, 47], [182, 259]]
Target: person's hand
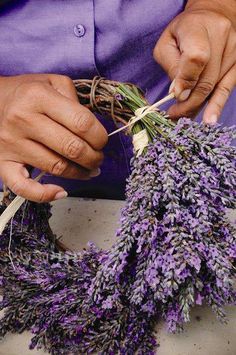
[[43, 125], [198, 51]]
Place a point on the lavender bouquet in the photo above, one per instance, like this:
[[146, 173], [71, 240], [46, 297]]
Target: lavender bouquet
[[175, 246]]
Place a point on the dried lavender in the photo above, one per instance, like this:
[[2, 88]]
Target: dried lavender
[[46, 291], [175, 248], [174, 225]]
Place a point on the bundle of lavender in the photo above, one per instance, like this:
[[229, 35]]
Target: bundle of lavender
[[175, 246]]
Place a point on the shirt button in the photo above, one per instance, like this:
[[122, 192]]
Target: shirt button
[[79, 30]]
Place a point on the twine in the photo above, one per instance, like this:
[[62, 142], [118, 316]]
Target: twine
[[140, 139], [142, 112]]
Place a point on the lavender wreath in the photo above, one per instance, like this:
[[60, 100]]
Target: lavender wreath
[[175, 246]]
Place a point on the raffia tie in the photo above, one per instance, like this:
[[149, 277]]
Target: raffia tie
[[140, 139]]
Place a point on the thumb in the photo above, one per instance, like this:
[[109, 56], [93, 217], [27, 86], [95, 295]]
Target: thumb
[[16, 177], [64, 85], [219, 97]]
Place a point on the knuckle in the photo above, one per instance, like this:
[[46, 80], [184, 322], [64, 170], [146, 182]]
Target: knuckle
[[172, 70], [73, 148], [104, 140], [199, 57], [224, 24], [233, 41], [100, 158], [224, 91], [6, 139], [59, 167], [190, 113], [15, 116], [204, 88], [218, 107], [18, 188], [96, 161], [188, 82], [66, 80], [157, 52], [82, 121], [11, 115], [42, 197], [30, 91]]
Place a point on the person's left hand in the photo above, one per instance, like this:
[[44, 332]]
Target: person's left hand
[[198, 51]]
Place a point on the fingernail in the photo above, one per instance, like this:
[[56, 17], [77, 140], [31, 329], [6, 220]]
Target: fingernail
[[95, 173], [172, 86], [26, 173], [211, 120], [184, 95], [60, 195]]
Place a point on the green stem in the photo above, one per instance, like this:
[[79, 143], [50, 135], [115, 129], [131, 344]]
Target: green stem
[[152, 122]]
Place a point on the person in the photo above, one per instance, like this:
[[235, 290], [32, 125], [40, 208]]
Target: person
[[46, 44]]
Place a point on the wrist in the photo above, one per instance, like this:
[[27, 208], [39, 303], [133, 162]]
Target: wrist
[[226, 8]]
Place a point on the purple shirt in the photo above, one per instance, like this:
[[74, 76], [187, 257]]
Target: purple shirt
[[83, 38]]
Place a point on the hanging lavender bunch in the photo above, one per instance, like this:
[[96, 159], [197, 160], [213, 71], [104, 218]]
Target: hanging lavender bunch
[[174, 230], [175, 246]]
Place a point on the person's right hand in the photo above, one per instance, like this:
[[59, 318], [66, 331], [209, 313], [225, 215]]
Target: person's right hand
[[43, 125]]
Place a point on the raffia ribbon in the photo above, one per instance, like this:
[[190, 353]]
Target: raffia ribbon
[[142, 112], [140, 139]]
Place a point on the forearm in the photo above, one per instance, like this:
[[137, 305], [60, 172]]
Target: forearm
[[225, 7]]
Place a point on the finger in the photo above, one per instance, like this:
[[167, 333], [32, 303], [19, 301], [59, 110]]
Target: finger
[[64, 142], [74, 116], [64, 85], [220, 97], [167, 54], [203, 88], [195, 52], [229, 56], [191, 106], [16, 177], [38, 156]]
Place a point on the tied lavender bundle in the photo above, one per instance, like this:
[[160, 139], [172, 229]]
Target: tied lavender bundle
[[175, 246], [175, 238]]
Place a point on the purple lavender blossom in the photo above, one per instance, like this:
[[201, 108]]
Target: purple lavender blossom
[[175, 239], [175, 248]]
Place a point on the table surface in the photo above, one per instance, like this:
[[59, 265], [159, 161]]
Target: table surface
[[81, 220]]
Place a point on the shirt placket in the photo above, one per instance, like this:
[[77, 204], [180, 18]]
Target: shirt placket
[[83, 41]]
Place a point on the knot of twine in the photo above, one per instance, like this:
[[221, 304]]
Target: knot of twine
[[140, 139]]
